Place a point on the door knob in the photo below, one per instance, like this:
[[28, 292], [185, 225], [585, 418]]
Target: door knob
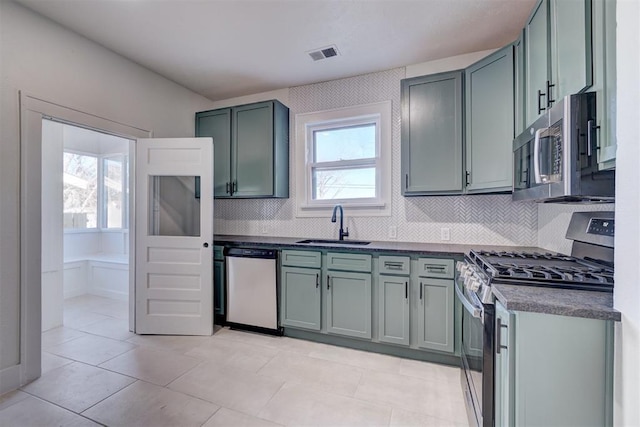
[[205, 244]]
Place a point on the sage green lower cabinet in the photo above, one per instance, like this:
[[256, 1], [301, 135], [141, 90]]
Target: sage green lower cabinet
[[349, 304], [218, 280], [435, 314], [300, 297], [394, 308], [554, 371], [218, 287], [503, 368]]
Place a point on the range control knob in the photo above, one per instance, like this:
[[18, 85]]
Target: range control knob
[[474, 284]]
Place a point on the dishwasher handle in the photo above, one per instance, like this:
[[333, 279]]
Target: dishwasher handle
[[251, 253]]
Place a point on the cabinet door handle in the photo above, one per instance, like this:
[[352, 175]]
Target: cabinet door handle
[[228, 188], [328, 282], [550, 100], [467, 179], [540, 107], [234, 187], [499, 327], [406, 181], [591, 127], [406, 290], [421, 291], [317, 280]]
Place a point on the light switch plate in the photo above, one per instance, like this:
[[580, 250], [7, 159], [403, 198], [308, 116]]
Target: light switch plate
[[445, 233]]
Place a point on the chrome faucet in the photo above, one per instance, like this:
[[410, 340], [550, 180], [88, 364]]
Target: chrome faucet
[[343, 233]]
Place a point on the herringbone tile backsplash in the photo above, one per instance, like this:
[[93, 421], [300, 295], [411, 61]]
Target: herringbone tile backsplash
[[479, 219]]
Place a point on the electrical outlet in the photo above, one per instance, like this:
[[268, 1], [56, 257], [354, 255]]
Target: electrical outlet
[[393, 232], [445, 233], [265, 228]]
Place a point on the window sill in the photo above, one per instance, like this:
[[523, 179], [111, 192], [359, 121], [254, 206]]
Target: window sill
[[355, 210]]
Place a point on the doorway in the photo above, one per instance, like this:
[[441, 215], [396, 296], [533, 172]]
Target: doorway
[[85, 236], [36, 114]]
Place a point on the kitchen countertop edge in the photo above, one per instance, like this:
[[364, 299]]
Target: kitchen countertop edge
[[561, 302], [440, 249]]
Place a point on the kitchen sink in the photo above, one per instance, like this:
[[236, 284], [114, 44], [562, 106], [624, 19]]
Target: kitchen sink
[[334, 242]]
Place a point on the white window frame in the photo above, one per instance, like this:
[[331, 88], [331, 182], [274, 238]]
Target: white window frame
[[101, 217], [306, 123], [124, 158], [97, 228]]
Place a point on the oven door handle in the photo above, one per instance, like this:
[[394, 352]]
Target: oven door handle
[[468, 305]]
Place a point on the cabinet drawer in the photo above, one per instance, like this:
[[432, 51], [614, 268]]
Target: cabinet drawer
[[435, 267], [218, 253], [399, 265], [301, 259], [349, 262]]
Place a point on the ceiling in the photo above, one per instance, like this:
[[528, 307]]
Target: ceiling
[[226, 48]]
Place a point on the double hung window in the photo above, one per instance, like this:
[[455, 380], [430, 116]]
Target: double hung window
[[346, 160]]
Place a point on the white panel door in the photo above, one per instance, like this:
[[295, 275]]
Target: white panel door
[[174, 236]]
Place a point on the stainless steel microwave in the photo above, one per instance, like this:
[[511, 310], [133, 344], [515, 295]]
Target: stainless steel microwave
[[555, 159]]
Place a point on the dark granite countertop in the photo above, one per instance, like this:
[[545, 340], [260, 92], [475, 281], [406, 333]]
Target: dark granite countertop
[[563, 302], [430, 249]]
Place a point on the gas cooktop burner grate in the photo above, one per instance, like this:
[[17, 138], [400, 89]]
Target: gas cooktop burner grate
[[542, 269], [567, 273]]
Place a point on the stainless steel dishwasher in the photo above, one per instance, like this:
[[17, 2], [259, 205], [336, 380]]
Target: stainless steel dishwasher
[[252, 298]]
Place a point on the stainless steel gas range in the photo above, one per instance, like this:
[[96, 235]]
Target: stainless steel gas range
[[590, 267]]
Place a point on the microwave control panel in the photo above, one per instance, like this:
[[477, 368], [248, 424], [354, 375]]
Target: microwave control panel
[[601, 227]]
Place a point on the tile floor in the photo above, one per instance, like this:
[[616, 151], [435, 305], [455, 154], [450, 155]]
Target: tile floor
[[95, 372]]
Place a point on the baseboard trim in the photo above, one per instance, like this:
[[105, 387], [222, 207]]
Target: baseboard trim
[[9, 378]]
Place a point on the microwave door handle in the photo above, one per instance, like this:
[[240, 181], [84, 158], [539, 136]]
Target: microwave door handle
[[536, 157], [468, 305]]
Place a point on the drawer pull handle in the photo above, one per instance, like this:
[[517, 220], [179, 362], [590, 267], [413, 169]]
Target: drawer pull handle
[[317, 280], [436, 267], [421, 286], [328, 282], [406, 290], [394, 265]]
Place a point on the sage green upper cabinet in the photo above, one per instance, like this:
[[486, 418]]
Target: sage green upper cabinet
[[489, 99], [604, 80], [518, 85], [536, 41], [571, 62], [217, 124], [558, 53], [432, 134], [253, 158]]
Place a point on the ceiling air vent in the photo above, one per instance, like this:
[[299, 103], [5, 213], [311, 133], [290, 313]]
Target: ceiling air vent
[[323, 53]]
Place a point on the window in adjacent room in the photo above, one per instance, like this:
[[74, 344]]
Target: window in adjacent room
[[94, 191]]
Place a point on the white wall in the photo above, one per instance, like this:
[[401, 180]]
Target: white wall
[[52, 63], [627, 276]]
